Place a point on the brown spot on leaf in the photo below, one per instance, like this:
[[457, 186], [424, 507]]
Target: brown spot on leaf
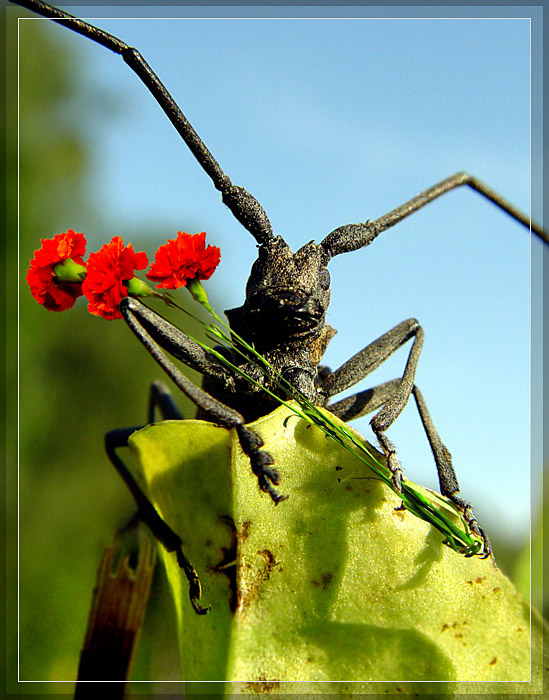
[[244, 531], [480, 579], [262, 686], [494, 661], [326, 579], [324, 582], [269, 558], [262, 573], [497, 589], [338, 469]]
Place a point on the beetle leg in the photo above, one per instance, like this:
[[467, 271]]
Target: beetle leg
[[160, 398], [449, 485], [363, 402], [153, 329], [116, 439], [370, 400], [365, 362], [157, 336]]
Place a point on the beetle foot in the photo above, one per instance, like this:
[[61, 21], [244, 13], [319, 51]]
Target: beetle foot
[[474, 526], [397, 477], [267, 476], [391, 459], [261, 461], [195, 587]]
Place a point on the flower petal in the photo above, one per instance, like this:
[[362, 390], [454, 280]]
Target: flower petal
[[182, 259], [108, 273], [52, 294]]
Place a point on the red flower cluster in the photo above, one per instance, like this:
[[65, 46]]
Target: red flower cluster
[[108, 273], [41, 278], [183, 259]]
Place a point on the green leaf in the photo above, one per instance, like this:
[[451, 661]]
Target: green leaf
[[331, 591]]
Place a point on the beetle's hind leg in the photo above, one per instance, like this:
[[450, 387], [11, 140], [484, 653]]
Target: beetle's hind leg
[[447, 478], [370, 400], [161, 399]]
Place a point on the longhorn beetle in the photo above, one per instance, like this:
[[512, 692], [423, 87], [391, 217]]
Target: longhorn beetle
[[285, 316]]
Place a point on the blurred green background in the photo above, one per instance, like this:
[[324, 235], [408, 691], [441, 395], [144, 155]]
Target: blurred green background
[[79, 377]]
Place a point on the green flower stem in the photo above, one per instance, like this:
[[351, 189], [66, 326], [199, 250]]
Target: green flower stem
[[459, 540]]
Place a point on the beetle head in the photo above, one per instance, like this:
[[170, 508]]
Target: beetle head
[[287, 293]]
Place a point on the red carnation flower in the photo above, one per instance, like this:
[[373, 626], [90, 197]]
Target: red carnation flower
[[183, 259], [46, 288], [108, 274]]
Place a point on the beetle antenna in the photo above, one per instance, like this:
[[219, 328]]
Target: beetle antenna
[[353, 236], [244, 206]]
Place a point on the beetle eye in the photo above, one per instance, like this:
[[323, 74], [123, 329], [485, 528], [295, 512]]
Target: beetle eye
[[324, 278]]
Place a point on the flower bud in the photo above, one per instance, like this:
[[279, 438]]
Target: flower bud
[[138, 288], [198, 293], [69, 271]]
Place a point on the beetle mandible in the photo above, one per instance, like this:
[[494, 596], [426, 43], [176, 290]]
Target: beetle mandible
[[305, 302]]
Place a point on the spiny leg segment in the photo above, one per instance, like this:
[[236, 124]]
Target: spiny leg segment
[[391, 397], [116, 439]]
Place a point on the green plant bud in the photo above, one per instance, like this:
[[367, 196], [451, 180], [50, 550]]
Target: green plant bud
[[69, 271], [138, 288], [198, 293], [334, 590]]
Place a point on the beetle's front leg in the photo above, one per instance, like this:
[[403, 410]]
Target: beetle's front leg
[[365, 362], [157, 335]]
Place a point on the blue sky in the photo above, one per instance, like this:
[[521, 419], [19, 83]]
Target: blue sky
[[338, 120]]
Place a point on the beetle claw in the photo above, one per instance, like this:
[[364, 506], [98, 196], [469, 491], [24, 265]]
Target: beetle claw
[[195, 587], [199, 610]]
